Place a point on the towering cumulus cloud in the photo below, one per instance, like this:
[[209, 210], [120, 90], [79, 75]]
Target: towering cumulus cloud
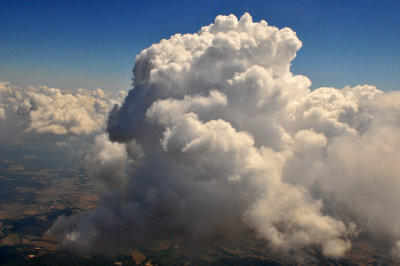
[[218, 139]]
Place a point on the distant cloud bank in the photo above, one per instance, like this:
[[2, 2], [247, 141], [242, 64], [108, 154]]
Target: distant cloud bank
[[218, 138], [58, 111]]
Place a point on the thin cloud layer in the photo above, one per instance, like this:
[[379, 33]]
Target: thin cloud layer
[[2, 113], [56, 111], [219, 139]]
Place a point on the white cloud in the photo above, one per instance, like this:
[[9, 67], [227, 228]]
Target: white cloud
[[231, 140], [56, 111]]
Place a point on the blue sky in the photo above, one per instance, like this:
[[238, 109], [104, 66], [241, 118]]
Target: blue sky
[[90, 44]]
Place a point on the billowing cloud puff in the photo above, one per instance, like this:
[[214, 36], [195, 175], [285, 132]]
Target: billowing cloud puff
[[57, 111], [9, 97], [109, 161], [231, 142]]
